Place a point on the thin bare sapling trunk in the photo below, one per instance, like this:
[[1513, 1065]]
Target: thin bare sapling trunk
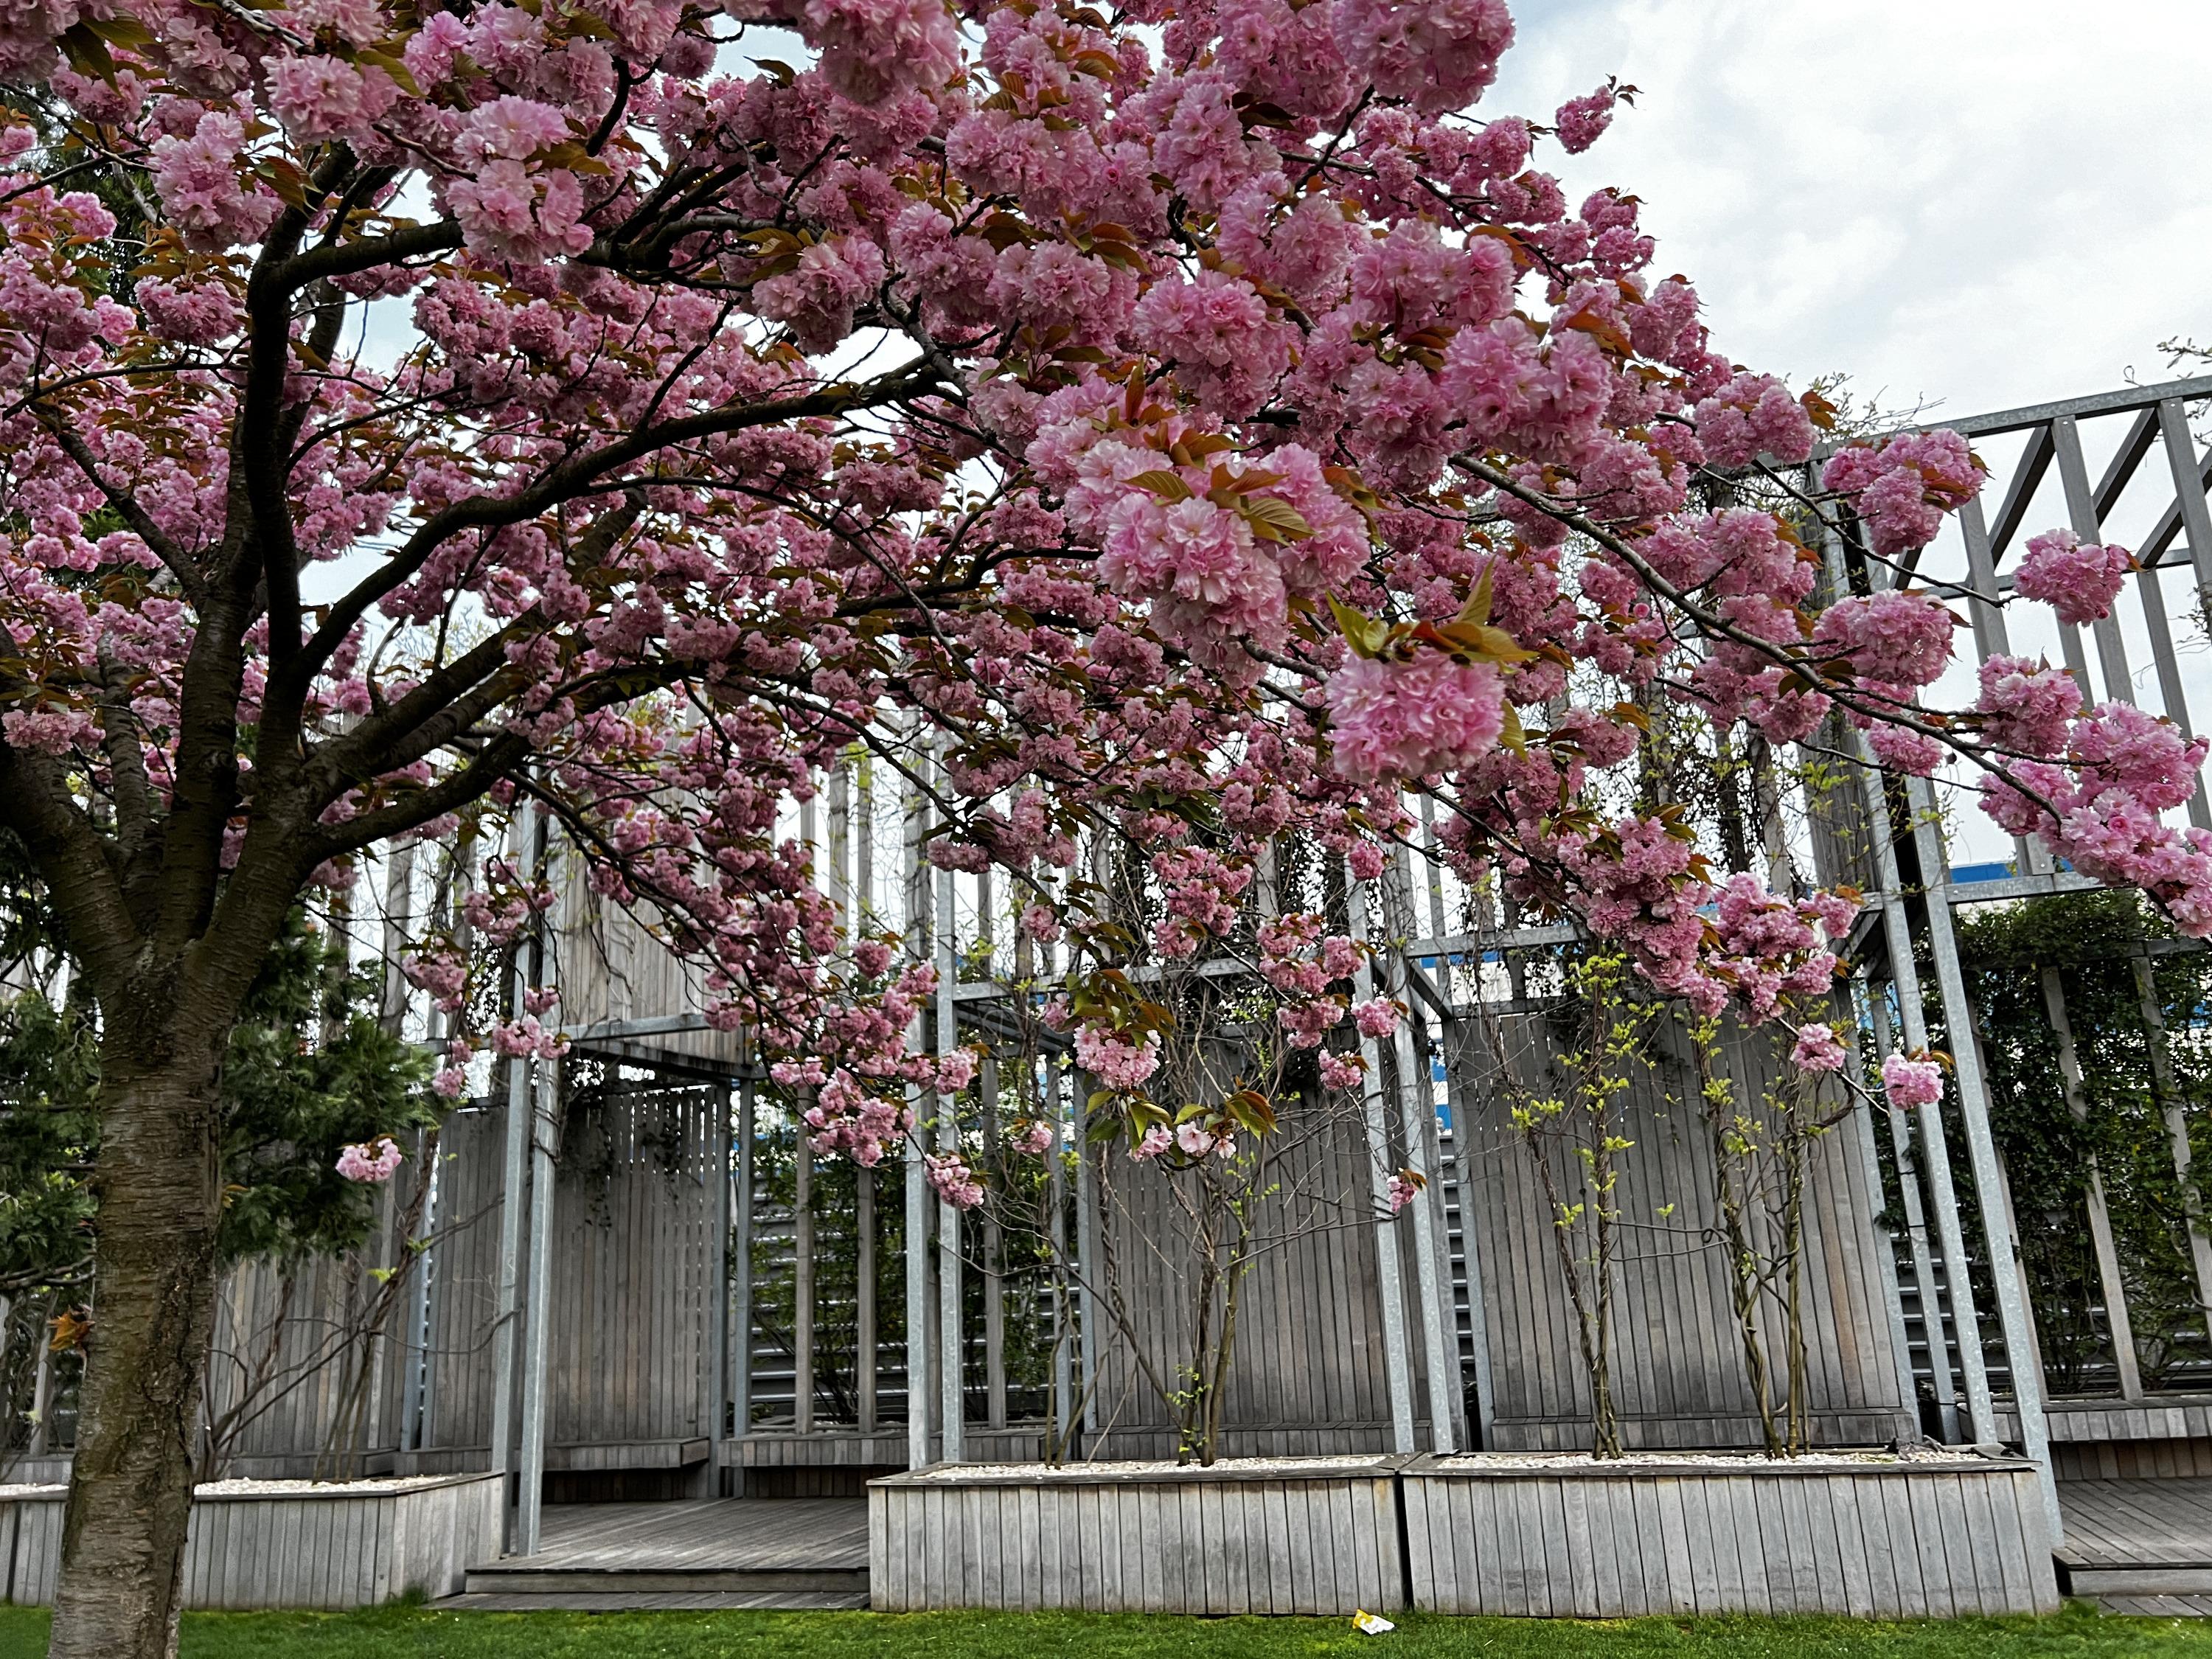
[[1574, 1144], [1759, 1162]]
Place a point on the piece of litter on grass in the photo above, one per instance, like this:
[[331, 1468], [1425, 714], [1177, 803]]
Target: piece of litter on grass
[[1370, 1623]]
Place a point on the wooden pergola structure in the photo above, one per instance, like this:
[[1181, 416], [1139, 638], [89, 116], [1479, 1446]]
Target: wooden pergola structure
[[638, 1284]]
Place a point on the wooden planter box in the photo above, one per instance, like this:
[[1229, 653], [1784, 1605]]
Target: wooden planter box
[[1654, 1534], [289, 1545], [1312, 1535]]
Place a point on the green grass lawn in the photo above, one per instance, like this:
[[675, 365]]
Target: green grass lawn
[[422, 1633]]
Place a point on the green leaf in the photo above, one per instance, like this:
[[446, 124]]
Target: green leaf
[[1476, 610], [1362, 633], [88, 53], [1273, 519], [1162, 482]]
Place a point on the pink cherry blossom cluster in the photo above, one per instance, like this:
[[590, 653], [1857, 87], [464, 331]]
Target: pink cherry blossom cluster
[[2027, 707], [1751, 415], [527, 1038], [1340, 1071], [1401, 1191], [1415, 718], [1582, 121], [1817, 1048], [1302, 961], [1377, 1017], [1896, 637], [1902, 487], [372, 1163], [1116, 1062], [1909, 1081], [952, 1180], [1196, 1139], [846, 1118], [2079, 580], [1640, 882], [1769, 951], [1201, 889], [1440, 54], [2098, 808]]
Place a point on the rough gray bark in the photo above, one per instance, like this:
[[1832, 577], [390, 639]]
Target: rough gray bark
[[159, 1191]]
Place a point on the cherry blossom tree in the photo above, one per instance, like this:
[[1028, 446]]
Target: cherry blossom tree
[[1193, 423]]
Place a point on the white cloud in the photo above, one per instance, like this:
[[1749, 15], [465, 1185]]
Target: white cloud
[[1985, 203]]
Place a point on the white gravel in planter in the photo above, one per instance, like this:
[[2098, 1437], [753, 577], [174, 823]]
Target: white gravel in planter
[[1721, 1460], [373, 1486], [376, 1486], [1257, 1467]]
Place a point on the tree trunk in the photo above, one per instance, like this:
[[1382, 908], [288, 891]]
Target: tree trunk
[[130, 1484]]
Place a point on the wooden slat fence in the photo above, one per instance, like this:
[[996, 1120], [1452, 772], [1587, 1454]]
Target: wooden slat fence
[[1319, 1538], [1890, 1540], [1679, 1376]]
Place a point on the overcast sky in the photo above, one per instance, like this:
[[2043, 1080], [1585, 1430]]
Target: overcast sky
[[1986, 203]]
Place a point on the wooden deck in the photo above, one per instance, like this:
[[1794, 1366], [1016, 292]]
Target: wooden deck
[[652, 1601], [2141, 1546], [2137, 1538], [797, 1553]]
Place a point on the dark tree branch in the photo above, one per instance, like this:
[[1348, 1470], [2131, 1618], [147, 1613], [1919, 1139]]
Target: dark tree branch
[[73, 858], [579, 475]]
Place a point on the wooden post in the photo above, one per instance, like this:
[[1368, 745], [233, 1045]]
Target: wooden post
[[537, 1309], [851, 843], [1397, 1365], [1451, 1166], [537, 1316], [1063, 1370], [513, 1188], [715, 1350], [407, 1343], [1417, 1112], [1862, 1132], [2177, 1124], [399, 912], [1998, 1231], [802, 1275], [802, 1164], [1482, 1433], [1944, 1377], [841, 842], [864, 861], [2114, 1287], [987, 965], [1086, 1248], [951, 1343], [994, 1277], [417, 1401], [920, 1350], [42, 1397], [741, 1283], [864, 1299], [1905, 974]]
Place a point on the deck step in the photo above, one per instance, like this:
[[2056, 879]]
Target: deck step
[[2156, 1606], [520, 1578], [644, 1602], [2142, 1578]]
